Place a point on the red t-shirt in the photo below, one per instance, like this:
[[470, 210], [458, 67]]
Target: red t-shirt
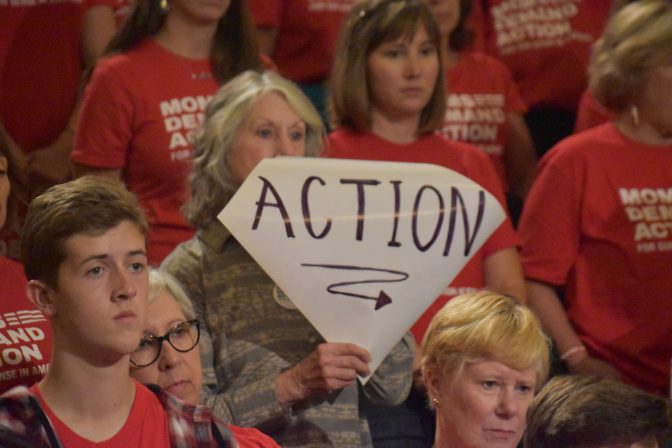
[[598, 221], [40, 68], [25, 334], [481, 92], [146, 426], [463, 158], [546, 45], [591, 113], [139, 114], [306, 34]]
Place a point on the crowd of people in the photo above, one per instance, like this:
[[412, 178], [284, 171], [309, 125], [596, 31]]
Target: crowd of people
[[126, 301]]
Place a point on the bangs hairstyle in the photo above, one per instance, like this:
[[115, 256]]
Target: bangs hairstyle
[[234, 45], [485, 325], [226, 116], [160, 281], [369, 25], [637, 38], [90, 205]]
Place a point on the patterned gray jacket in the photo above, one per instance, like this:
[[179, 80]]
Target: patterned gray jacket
[[250, 334]]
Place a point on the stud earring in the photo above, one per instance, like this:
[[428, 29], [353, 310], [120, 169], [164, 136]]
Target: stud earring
[[634, 115], [164, 6], [435, 402]]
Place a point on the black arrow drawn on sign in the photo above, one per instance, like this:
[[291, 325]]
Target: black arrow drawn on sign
[[382, 299]]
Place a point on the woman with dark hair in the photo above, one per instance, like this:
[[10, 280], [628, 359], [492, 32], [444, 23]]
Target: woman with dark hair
[[388, 99], [147, 97]]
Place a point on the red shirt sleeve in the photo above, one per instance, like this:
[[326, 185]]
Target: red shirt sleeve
[[550, 225]]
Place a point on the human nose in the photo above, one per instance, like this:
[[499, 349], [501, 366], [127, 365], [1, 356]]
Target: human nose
[[169, 357], [507, 405], [412, 67], [283, 145], [124, 286]]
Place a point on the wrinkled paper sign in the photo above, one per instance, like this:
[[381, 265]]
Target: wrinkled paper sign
[[361, 248]]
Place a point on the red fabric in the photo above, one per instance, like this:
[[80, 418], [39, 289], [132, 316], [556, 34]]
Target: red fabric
[[546, 45], [139, 113], [591, 113], [460, 157], [40, 69], [598, 220], [146, 426], [481, 92], [251, 438], [121, 8], [307, 31], [25, 334]]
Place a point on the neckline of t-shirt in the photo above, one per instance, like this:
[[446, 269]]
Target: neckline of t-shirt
[[128, 430], [196, 62], [401, 146], [632, 142]]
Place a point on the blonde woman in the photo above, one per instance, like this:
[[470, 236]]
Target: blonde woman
[[596, 223], [484, 356]]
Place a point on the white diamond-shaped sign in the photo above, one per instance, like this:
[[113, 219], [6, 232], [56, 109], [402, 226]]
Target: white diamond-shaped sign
[[361, 248]]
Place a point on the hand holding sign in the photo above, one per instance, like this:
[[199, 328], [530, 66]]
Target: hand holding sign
[[361, 248], [332, 366]]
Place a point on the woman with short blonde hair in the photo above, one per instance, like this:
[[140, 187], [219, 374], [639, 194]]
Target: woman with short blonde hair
[[485, 325], [483, 358]]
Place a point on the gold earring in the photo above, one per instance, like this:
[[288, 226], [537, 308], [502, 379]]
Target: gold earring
[[634, 114], [435, 402], [164, 6]]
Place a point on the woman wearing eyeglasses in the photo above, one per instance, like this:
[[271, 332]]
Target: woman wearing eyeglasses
[[175, 365]]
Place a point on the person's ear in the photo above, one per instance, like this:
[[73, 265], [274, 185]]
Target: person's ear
[[432, 379], [42, 296]]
